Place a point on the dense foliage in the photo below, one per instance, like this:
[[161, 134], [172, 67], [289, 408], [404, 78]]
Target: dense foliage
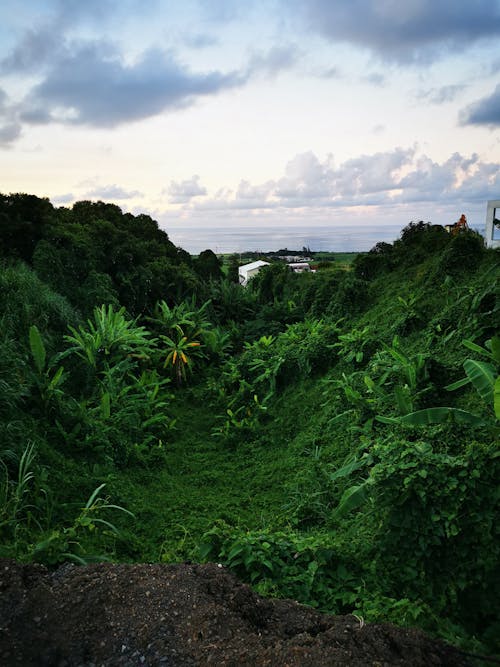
[[331, 437]]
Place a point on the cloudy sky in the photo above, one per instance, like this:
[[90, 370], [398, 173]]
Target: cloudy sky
[[254, 112]]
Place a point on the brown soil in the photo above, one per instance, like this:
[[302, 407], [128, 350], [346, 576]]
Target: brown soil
[[187, 614]]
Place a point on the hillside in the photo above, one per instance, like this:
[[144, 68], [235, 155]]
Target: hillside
[[330, 438]]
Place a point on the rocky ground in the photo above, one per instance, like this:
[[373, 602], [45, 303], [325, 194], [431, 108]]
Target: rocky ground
[[170, 615]]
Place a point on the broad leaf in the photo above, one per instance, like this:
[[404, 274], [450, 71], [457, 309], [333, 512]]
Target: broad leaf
[[497, 397], [57, 379], [351, 499], [475, 348], [440, 415], [350, 468], [456, 385], [482, 376], [106, 406], [37, 348], [495, 348], [404, 402]]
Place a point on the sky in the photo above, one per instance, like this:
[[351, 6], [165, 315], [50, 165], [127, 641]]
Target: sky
[[254, 113]]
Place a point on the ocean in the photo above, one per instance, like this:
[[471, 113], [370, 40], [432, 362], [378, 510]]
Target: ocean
[[224, 240]]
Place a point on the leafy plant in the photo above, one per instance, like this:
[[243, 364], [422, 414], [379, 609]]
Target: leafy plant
[[409, 371], [49, 383], [15, 493], [306, 569], [351, 345], [109, 339], [238, 421], [181, 351], [72, 542], [184, 314], [484, 378]]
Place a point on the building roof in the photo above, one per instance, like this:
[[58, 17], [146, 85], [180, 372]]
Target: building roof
[[245, 268]]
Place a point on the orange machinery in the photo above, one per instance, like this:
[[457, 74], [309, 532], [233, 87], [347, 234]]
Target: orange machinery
[[459, 226]]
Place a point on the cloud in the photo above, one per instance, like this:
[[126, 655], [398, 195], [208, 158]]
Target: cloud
[[483, 112], [183, 192], [66, 198], [32, 52], [199, 40], [275, 60], [306, 178], [40, 45], [9, 132], [390, 178], [111, 192], [414, 31], [375, 79], [441, 95], [91, 84], [331, 73], [10, 128]]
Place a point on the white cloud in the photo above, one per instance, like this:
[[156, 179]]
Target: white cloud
[[111, 192], [390, 178], [442, 94], [182, 192]]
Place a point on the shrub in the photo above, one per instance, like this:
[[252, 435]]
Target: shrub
[[464, 253], [438, 526], [307, 569]]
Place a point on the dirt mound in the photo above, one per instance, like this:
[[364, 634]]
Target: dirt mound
[[187, 614]]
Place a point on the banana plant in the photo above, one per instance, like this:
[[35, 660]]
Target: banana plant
[[109, 339], [485, 379], [269, 370], [351, 344], [48, 379], [185, 315], [410, 371], [181, 351], [357, 494]]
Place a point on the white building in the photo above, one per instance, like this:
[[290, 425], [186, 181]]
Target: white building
[[299, 267], [493, 224], [248, 271]]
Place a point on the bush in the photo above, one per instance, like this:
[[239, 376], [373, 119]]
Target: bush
[[286, 564], [438, 520], [464, 253]]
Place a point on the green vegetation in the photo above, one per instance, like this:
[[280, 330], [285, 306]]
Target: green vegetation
[[330, 437]]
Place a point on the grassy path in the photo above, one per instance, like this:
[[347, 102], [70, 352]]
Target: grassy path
[[202, 480]]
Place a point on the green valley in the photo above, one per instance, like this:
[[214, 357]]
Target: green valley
[[331, 437]]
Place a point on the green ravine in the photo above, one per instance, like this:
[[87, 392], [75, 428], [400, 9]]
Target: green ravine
[[330, 437]]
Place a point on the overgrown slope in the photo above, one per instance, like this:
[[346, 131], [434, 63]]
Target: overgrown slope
[[329, 437]]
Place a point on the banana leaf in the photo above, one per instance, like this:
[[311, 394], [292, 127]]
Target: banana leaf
[[352, 498], [37, 348], [482, 376], [440, 415]]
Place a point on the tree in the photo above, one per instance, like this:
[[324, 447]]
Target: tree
[[208, 265]]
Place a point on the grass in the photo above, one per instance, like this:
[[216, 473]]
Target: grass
[[202, 480]]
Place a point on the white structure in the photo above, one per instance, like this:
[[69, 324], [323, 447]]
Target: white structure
[[299, 267], [248, 271], [493, 224]]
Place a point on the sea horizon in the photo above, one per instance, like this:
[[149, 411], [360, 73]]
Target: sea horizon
[[227, 240]]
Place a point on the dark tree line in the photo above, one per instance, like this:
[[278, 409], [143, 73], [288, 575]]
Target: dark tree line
[[94, 253]]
